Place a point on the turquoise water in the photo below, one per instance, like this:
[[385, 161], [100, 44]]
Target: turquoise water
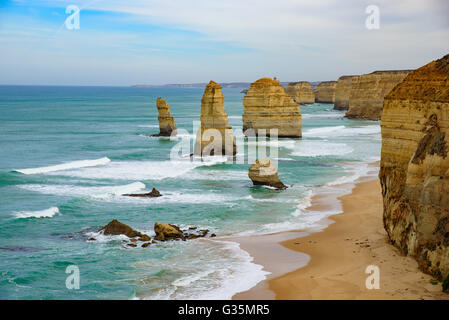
[[46, 216]]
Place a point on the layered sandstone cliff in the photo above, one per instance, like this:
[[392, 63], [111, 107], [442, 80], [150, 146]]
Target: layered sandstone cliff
[[267, 107], [414, 171], [301, 92], [342, 92], [215, 136], [325, 92], [167, 124], [368, 92]]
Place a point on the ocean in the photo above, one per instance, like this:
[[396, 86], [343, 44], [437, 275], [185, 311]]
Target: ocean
[[69, 153]]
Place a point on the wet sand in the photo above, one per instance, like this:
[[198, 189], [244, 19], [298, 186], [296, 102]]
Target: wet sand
[[331, 263]]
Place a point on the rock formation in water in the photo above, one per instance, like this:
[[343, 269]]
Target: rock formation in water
[[325, 92], [215, 136], [414, 169], [264, 172], [301, 92], [368, 92], [167, 124], [153, 194], [116, 228], [342, 92], [267, 107]]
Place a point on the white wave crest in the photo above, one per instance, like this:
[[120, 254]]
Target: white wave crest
[[342, 131], [141, 170], [95, 192], [317, 148], [66, 166], [47, 213]]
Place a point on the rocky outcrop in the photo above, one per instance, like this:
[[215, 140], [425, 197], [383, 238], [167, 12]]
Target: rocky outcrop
[[166, 232], [264, 172], [167, 124], [325, 92], [153, 194], [117, 228], [267, 107], [414, 170], [342, 92], [215, 136], [301, 92], [368, 92]]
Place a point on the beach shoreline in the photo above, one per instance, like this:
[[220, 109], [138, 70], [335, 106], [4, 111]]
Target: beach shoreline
[[330, 262]]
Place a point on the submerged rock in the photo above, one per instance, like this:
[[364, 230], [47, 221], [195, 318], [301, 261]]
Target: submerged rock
[[414, 168], [117, 228], [153, 194], [264, 172], [167, 125], [268, 107], [215, 136]]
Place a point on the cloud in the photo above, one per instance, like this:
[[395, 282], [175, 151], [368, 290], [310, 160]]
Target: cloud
[[233, 40]]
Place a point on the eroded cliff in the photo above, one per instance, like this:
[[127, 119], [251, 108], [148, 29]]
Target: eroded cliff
[[268, 106], [325, 92], [414, 171], [215, 136], [368, 92], [301, 92], [342, 92], [167, 124]]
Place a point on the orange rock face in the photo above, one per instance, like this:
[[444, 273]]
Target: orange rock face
[[414, 171], [301, 92], [167, 123], [267, 107], [368, 92], [215, 137], [325, 92], [342, 92]]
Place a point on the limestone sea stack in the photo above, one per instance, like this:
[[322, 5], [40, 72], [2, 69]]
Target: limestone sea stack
[[342, 92], [264, 172], [215, 136], [368, 92], [325, 92], [414, 169], [267, 107], [167, 124], [301, 92]]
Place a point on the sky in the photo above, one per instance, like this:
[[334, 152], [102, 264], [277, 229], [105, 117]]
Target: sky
[[128, 42]]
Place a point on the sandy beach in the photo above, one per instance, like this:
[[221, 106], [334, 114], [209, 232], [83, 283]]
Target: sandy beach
[[331, 264]]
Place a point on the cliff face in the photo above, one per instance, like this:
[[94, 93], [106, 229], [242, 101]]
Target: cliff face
[[414, 171], [166, 121], [268, 106], [368, 92], [326, 92], [342, 92], [301, 92], [215, 136]]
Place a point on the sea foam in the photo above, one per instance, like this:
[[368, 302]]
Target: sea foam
[[66, 166], [47, 213]]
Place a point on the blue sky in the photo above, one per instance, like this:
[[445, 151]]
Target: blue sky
[[183, 41]]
